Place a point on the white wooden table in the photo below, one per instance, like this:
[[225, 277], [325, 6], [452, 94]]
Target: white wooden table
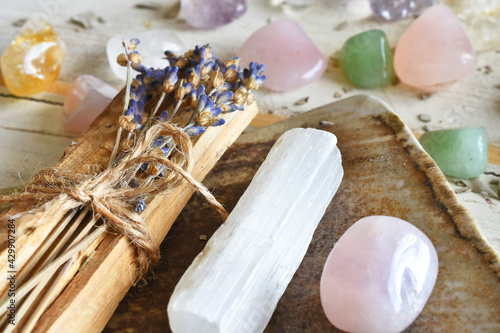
[[32, 137]]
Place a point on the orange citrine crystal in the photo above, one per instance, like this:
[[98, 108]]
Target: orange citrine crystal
[[32, 61]]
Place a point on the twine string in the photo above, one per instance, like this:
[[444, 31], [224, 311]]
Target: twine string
[[54, 190]]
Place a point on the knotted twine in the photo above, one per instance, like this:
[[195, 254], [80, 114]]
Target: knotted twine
[[55, 190]]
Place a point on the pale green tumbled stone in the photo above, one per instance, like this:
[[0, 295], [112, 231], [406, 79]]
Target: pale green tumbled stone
[[367, 60], [459, 153]]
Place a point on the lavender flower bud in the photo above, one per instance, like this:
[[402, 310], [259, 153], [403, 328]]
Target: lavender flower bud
[[140, 205], [163, 116], [195, 130], [122, 60]]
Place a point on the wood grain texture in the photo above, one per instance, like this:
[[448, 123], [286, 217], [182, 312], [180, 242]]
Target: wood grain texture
[[386, 173]]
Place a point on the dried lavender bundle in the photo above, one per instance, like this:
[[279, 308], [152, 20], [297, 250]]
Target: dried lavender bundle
[[163, 111]]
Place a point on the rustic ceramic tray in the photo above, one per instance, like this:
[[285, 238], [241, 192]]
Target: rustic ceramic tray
[[386, 173]]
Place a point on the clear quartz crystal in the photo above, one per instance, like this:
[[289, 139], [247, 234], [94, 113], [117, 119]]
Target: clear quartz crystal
[[235, 283], [151, 47], [391, 10], [211, 13], [297, 3]]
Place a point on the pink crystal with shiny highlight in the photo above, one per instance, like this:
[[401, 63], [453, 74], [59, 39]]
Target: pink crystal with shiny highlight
[[86, 100], [291, 58], [379, 276], [434, 52]]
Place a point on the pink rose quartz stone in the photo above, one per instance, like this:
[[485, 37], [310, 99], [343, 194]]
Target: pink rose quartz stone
[[379, 276], [434, 52], [86, 100], [291, 58]]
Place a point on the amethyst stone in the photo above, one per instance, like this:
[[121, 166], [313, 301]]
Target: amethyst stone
[[211, 13], [398, 9]]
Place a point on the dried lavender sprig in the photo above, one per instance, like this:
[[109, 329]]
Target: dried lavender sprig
[[230, 90], [131, 46]]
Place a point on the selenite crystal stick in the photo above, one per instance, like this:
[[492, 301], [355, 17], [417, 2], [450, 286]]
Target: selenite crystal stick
[[235, 283]]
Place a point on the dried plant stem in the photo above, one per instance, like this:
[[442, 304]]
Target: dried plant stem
[[60, 278], [36, 303], [42, 251], [48, 271], [63, 242], [151, 117], [155, 110], [150, 178], [45, 300], [125, 108], [195, 113], [34, 300], [177, 106], [115, 147]]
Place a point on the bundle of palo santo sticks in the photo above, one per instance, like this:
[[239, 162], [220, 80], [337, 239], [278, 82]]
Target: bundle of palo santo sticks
[[81, 233]]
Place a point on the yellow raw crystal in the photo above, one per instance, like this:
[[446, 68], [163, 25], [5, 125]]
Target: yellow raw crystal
[[32, 61]]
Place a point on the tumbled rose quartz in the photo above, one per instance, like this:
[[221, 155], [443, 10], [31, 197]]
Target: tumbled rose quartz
[[378, 276], [434, 52], [291, 58], [86, 100], [211, 13]]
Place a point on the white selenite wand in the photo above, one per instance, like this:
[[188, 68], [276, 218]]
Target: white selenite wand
[[235, 283]]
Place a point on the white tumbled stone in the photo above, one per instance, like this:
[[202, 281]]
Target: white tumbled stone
[[235, 283], [153, 44]]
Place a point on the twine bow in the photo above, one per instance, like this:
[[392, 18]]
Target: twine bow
[[56, 190]]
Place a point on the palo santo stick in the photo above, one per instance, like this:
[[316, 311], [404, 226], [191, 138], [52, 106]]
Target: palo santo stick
[[90, 154], [90, 299]]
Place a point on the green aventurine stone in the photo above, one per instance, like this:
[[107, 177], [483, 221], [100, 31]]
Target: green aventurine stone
[[459, 153], [367, 60]]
